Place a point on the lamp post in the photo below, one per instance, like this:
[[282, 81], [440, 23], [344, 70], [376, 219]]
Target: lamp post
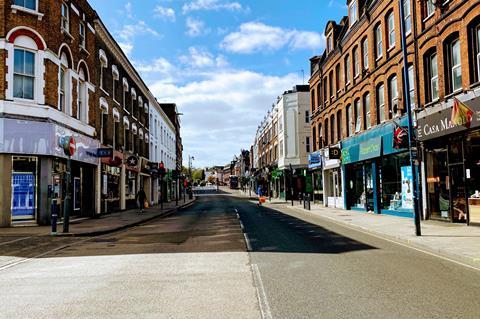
[[411, 136], [190, 162]]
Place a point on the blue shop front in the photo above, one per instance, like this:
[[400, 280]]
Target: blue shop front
[[377, 176]]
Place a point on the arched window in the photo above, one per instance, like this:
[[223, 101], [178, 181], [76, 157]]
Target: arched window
[[378, 41], [24, 73], [319, 95], [358, 116], [312, 100], [356, 62], [82, 109], [380, 103], [453, 64], [393, 97], [348, 119], [365, 53], [391, 30], [367, 111], [347, 70], [474, 50], [339, 125], [332, 129], [64, 81], [338, 77], [320, 136], [314, 138], [325, 135]]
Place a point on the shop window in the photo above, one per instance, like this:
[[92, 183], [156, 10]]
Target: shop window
[[356, 63], [438, 184], [453, 66], [347, 70], [28, 4], [380, 104], [365, 53], [474, 50], [391, 30], [24, 74], [24, 188], [393, 95], [408, 16], [378, 41], [397, 192], [366, 111], [358, 116], [431, 74]]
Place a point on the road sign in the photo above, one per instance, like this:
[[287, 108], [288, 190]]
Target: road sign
[[68, 144]]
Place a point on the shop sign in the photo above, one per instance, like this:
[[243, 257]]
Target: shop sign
[[334, 153], [132, 161], [439, 124], [314, 160], [370, 149]]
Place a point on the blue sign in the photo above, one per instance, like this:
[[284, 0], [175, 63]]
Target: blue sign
[[23, 195], [315, 160]]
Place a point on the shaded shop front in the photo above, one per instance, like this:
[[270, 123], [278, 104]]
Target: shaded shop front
[[377, 177], [451, 163]]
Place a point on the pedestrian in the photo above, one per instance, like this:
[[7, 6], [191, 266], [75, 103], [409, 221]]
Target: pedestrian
[[259, 193], [142, 198]]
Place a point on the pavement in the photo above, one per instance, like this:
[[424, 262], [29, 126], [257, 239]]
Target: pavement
[[458, 242], [95, 226]]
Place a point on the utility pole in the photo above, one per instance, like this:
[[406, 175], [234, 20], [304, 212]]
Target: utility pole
[[411, 136]]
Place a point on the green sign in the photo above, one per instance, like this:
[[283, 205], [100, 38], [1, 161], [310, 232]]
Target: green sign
[[370, 149]]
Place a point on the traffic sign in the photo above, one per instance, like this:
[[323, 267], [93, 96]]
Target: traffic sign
[[69, 145]]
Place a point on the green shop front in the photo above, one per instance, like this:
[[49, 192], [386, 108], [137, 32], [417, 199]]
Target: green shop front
[[377, 176]]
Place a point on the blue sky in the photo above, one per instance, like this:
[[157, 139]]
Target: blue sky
[[222, 61]]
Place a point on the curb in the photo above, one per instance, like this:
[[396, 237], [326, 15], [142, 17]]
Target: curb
[[129, 225], [466, 261]]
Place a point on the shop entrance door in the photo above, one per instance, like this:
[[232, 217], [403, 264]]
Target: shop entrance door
[[369, 187], [336, 190], [458, 194]]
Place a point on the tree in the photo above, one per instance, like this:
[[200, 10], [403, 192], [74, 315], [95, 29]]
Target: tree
[[198, 175], [211, 179]]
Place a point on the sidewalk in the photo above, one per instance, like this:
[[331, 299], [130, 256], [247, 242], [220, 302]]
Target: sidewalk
[[454, 241], [98, 226]]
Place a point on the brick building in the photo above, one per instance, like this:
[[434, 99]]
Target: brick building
[[62, 74], [357, 104]]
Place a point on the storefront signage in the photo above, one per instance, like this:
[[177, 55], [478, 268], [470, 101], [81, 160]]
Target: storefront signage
[[132, 161], [407, 187], [314, 160], [440, 124], [334, 153], [370, 149], [104, 152]]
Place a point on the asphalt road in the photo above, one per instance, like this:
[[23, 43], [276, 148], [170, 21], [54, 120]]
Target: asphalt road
[[195, 265]]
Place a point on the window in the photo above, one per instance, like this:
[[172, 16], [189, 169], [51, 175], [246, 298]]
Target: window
[[314, 138], [379, 41], [65, 18], [352, 12], [358, 116], [338, 77], [366, 110], [101, 76], [365, 53], [61, 86], [307, 144], [29, 4], [82, 97], [307, 117], [332, 129], [411, 82], [24, 74], [381, 103], [319, 95], [431, 72], [320, 136], [325, 127], [391, 30], [474, 50], [104, 125], [348, 115], [356, 62], [330, 42], [330, 85], [339, 125], [408, 16], [429, 8], [347, 70], [83, 35], [393, 94], [114, 89]]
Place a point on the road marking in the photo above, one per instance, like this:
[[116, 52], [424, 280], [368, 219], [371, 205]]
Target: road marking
[[242, 227], [262, 296], [14, 241], [236, 210], [247, 242]]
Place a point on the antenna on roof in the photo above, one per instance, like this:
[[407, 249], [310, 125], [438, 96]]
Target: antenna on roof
[[303, 74]]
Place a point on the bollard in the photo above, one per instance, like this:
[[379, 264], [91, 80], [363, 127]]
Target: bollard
[[54, 218], [308, 202], [300, 195]]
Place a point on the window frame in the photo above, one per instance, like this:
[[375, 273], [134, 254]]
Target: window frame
[[65, 20], [379, 40], [391, 30], [82, 37], [380, 90], [24, 6], [407, 17], [365, 53], [358, 116], [367, 120], [23, 75]]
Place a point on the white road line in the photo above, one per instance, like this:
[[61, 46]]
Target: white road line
[[242, 227], [247, 241], [238, 216], [14, 241], [236, 210], [262, 296]]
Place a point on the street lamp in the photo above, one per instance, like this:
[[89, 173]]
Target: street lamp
[[411, 137]]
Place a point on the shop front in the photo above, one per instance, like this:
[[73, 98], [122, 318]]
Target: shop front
[[34, 171], [111, 177], [377, 176], [278, 188], [451, 151], [132, 180], [315, 166], [332, 177]]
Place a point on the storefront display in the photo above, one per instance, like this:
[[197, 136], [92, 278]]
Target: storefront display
[[24, 188]]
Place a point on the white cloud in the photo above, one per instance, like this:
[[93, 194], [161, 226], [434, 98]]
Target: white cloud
[[195, 27], [128, 10], [198, 5], [129, 32], [165, 13], [222, 106], [201, 58], [257, 37]]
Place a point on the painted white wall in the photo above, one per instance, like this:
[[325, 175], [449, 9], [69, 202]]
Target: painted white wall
[[162, 138]]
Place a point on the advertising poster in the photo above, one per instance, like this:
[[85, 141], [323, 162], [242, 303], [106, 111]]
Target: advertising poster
[[76, 194], [23, 195], [407, 187]]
